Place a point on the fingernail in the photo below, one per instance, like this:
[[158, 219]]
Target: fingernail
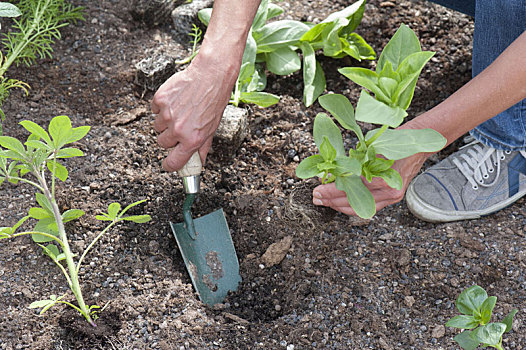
[[317, 194], [317, 202]]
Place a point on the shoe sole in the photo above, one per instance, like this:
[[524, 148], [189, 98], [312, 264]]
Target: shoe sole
[[425, 212]]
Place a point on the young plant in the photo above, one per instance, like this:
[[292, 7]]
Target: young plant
[[196, 34], [274, 45], [41, 157], [334, 165], [31, 37], [476, 308]]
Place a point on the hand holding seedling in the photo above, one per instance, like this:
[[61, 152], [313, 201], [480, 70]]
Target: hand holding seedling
[[190, 104]]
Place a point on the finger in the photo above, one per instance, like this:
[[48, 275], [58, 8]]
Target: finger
[[177, 158], [327, 191], [340, 201], [166, 139], [205, 148], [154, 106], [159, 124]]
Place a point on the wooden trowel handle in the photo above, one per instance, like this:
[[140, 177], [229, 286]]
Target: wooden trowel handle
[[193, 167], [191, 174]]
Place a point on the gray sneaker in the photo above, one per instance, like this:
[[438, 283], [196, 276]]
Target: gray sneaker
[[475, 181]]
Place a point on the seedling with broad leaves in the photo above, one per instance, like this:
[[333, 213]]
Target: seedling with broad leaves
[[41, 156], [393, 85], [476, 309], [275, 45]]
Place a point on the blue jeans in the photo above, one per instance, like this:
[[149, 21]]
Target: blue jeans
[[497, 24]]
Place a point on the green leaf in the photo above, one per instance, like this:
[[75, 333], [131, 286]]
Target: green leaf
[[388, 72], [113, 210], [325, 127], [388, 86], [251, 48], [462, 322], [370, 110], [486, 309], [39, 213], [35, 144], [283, 61], [60, 130], [44, 203], [37, 130], [40, 303], [327, 151], [360, 49], [51, 250], [465, 341], [308, 167], [332, 45], [69, 152], [14, 145], [403, 43], [356, 9], [19, 223], [47, 225], [366, 78], [204, 15], [261, 15], [262, 99], [134, 204], [72, 214], [508, 320], [314, 33], [398, 144], [392, 178], [274, 11], [103, 218], [278, 34], [409, 71], [358, 195], [313, 76], [343, 111], [489, 334], [9, 10], [345, 166], [470, 300], [140, 219], [78, 133], [58, 170]]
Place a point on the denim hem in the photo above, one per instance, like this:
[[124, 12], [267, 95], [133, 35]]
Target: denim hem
[[491, 142]]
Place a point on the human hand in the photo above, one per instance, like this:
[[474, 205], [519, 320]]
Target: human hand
[[189, 107], [329, 196]]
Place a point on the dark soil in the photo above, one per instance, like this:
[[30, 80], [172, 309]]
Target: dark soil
[[388, 283]]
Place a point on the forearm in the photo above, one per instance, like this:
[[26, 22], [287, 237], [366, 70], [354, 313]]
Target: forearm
[[226, 35], [495, 89]]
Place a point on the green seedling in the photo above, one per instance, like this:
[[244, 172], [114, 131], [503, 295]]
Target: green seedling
[[196, 34], [376, 151], [41, 156], [31, 37], [275, 45], [476, 309]]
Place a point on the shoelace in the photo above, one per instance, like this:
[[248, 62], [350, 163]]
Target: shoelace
[[478, 162]]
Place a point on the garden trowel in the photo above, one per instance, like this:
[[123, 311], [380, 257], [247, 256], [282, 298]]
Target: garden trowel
[[205, 243]]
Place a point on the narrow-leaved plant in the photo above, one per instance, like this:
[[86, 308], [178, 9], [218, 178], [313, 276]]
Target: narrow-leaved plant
[[31, 36], [41, 156], [476, 309], [399, 66]]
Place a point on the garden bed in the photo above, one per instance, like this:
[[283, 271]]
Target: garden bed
[[388, 283]]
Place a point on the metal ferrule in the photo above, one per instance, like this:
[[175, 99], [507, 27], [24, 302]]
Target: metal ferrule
[[192, 184]]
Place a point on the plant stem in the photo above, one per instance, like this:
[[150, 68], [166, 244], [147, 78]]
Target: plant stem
[[75, 285], [376, 135], [21, 179], [92, 244], [39, 233]]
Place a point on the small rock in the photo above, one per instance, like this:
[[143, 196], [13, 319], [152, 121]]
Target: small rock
[[154, 70], [152, 12], [387, 4], [185, 16], [232, 130], [276, 252], [409, 300], [404, 258], [438, 332]]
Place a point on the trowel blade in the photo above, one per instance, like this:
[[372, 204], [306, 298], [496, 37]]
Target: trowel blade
[[210, 258]]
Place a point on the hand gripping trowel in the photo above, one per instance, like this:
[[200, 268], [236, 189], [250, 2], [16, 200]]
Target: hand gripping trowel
[[205, 243]]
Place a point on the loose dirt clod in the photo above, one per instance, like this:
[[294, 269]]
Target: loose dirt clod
[[276, 252]]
